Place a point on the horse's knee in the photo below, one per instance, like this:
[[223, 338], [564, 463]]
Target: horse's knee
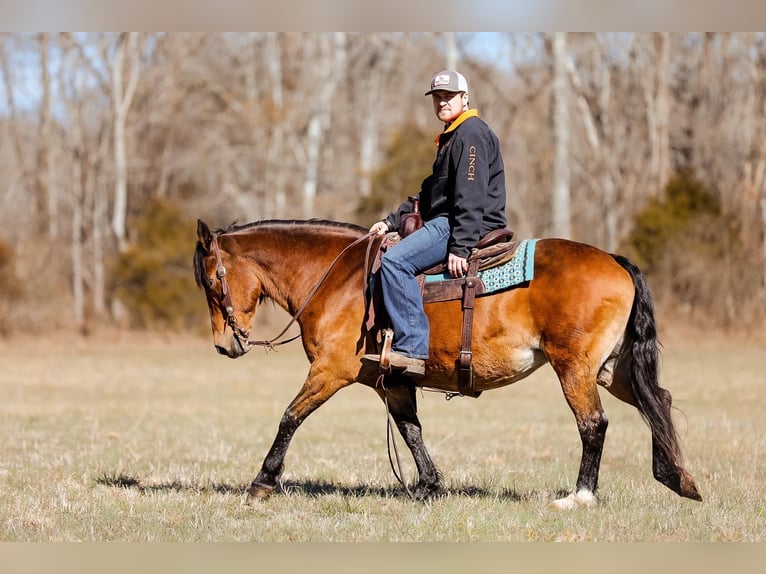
[[594, 426]]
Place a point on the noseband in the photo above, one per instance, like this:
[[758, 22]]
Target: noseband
[[227, 308]]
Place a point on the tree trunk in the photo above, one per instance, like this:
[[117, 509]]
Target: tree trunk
[[70, 83], [378, 62], [78, 274], [276, 177], [664, 161], [13, 120], [331, 63], [561, 194], [450, 50], [127, 47], [763, 248], [655, 64], [44, 180]]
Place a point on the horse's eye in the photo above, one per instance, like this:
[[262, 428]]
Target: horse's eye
[[210, 282]]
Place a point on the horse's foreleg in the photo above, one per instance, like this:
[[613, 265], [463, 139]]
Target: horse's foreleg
[[582, 396], [402, 405], [315, 392]]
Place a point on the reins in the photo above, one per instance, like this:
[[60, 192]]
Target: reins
[[228, 308], [391, 440]]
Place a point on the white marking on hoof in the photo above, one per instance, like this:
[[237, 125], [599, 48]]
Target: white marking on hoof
[[579, 498]]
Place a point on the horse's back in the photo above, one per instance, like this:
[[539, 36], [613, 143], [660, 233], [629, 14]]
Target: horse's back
[[572, 275]]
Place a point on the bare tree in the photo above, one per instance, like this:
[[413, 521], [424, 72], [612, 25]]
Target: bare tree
[[450, 50], [560, 93], [14, 127], [125, 54], [754, 144], [45, 171], [277, 117], [85, 150], [373, 64], [595, 116], [331, 62], [661, 160], [241, 126]]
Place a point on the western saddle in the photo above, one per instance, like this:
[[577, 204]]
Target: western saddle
[[494, 249]]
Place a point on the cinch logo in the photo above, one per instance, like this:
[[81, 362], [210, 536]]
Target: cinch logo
[[471, 162], [442, 80]]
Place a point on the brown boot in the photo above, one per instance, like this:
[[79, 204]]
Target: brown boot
[[410, 366]]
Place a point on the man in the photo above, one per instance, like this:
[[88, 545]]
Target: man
[[460, 202]]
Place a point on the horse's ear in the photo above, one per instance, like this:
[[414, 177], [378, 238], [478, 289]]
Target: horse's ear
[[204, 235]]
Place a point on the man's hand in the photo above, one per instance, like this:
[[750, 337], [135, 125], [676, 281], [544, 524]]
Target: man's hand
[[457, 266], [379, 228]]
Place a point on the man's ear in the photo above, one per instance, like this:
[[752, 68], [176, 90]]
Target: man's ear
[[204, 235]]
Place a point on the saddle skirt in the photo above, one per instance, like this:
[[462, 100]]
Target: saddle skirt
[[496, 272]]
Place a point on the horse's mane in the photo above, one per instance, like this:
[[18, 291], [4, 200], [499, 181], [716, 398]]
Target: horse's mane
[[234, 227], [199, 253]]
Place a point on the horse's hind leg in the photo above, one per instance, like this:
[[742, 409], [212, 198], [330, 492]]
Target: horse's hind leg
[[578, 382], [402, 405], [315, 391]]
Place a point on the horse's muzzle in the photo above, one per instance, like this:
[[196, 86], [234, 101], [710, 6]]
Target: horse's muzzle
[[235, 348]]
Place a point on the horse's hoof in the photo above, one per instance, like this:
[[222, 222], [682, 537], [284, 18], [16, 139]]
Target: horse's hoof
[[428, 491], [258, 492], [580, 498], [688, 487]]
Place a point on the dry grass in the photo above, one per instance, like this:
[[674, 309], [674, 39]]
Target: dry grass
[[130, 440]]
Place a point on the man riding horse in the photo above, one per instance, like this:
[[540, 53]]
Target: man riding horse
[[460, 202]]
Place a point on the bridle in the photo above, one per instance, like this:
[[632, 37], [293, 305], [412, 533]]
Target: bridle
[[227, 308]]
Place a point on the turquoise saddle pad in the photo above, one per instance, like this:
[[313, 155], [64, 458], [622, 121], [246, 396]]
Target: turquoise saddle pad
[[520, 269]]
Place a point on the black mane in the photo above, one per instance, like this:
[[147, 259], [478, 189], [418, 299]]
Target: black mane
[[200, 253], [292, 222]]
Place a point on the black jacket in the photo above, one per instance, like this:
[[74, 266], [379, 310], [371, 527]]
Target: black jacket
[[467, 184]]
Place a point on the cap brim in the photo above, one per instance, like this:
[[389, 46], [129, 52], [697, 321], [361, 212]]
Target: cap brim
[[429, 92]]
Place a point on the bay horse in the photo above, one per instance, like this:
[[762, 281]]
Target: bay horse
[[586, 312]]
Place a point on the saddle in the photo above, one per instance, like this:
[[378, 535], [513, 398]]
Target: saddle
[[493, 249]]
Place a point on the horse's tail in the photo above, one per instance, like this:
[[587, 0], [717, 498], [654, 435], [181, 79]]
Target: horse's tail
[[640, 360]]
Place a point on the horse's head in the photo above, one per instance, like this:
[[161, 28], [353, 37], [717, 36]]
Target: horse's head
[[232, 291]]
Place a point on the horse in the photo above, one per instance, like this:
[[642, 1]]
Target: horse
[[587, 313]]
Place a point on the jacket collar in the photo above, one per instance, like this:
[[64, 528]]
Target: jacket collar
[[459, 120]]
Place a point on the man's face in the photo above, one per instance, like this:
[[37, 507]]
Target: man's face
[[449, 105]]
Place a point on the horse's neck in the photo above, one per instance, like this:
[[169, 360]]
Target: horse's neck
[[292, 263]]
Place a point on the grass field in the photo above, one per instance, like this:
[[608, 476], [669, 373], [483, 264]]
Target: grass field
[[125, 440]]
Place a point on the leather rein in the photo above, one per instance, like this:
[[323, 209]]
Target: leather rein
[[227, 307]]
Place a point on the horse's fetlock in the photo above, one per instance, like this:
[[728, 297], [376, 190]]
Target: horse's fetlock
[[428, 491]]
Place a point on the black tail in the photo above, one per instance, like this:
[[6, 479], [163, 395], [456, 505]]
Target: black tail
[[641, 357]]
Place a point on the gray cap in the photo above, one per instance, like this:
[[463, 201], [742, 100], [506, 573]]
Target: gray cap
[[449, 81]]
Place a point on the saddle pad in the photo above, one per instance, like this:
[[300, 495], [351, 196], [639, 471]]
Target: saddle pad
[[520, 269]]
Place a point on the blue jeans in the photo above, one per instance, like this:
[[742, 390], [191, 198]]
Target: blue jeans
[[414, 254]]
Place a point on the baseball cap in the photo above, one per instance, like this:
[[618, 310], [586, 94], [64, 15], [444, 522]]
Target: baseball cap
[[449, 81]]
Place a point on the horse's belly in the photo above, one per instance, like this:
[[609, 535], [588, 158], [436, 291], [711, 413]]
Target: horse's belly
[[505, 346], [492, 371], [493, 366]]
